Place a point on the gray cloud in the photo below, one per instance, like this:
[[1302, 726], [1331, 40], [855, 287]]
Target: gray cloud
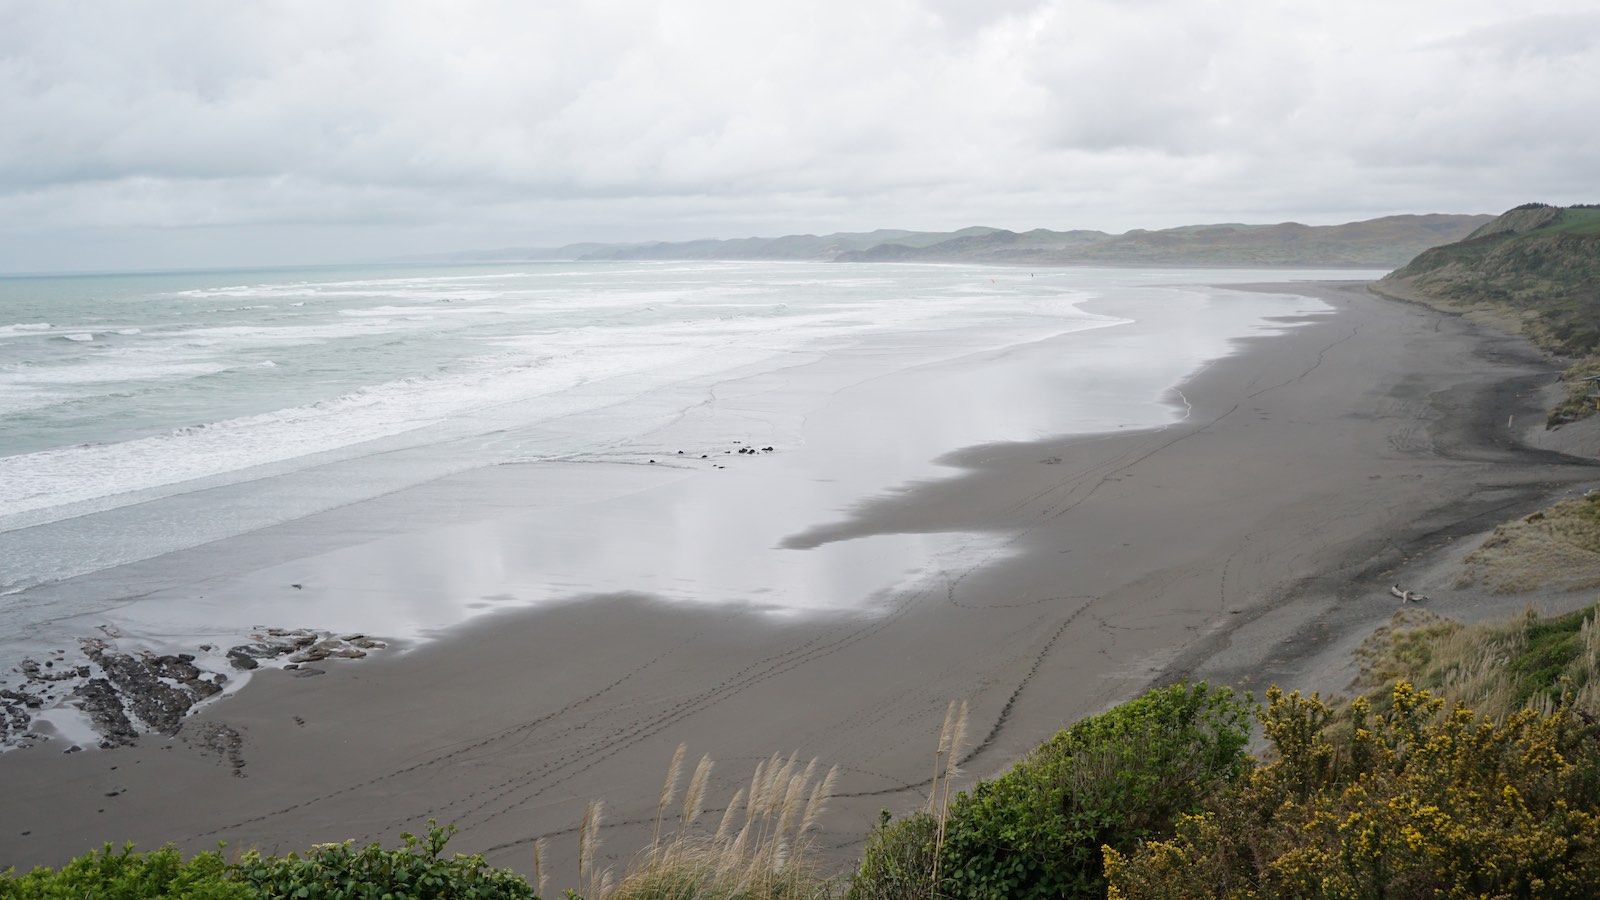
[[299, 130]]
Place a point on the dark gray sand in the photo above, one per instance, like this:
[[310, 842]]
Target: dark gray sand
[[1240, 544]]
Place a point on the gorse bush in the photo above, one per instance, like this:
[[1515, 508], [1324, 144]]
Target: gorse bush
[[1410, 803], [1113, 779], [124, 875], [417, 871]]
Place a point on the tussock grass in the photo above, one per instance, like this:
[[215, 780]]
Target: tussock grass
[[901, 859], [1576, 404], [1556, 548], [1526, 662], [760, 849]]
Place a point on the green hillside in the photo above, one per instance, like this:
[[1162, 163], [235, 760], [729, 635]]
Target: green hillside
[[1534, 270], [1539, 264]]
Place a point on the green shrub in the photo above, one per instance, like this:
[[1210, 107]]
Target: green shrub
[[897, 863], [125, 875], [1413, 802], [414, 872], [1113, 779]]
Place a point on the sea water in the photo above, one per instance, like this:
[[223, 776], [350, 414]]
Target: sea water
[[141, 415]]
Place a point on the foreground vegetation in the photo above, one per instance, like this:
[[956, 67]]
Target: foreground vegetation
[[1498, 669], [1405, 792], [1469, 768], [327, 872], [1419, 801]]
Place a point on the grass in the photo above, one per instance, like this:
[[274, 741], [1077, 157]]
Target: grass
[[1558, 548], [760, 849], [1526, 662], [901, 859], [1576, 220], [1576, 404]]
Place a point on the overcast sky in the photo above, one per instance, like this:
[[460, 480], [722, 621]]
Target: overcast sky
[[144, 134]]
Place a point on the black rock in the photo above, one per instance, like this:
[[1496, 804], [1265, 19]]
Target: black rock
[[103, 705], [139, 679]]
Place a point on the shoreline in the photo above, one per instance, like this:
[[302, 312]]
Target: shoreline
[[1308, 639], [1124, 560]]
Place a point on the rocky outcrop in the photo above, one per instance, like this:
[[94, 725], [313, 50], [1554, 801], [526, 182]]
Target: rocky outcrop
[[102, 703], [300, 646], [124, 694], [146, 685]]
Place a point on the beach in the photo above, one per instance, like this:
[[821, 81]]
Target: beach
[[1247, 541]]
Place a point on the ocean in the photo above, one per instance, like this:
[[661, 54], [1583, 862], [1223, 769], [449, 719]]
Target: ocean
[[147, 415]]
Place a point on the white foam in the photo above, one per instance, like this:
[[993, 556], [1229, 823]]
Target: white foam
[[264, 335], [81, 336], [68, 475], [23, 329], [128, 332], [108, 370], [642, 332], [68, 723]]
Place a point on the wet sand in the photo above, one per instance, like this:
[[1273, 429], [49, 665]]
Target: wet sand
[[1238, 543]]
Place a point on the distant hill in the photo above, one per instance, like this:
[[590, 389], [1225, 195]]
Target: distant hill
[[1376, 243], [1380, 243], [825, 247]]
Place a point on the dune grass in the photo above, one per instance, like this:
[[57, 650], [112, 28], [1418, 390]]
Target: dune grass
[[1526, 662], [1558, 548], [1575, 404], [901, 859], [760, 849]]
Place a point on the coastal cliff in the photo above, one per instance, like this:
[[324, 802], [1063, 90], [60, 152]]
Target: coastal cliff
[[1534, 270], [1539, 264]]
